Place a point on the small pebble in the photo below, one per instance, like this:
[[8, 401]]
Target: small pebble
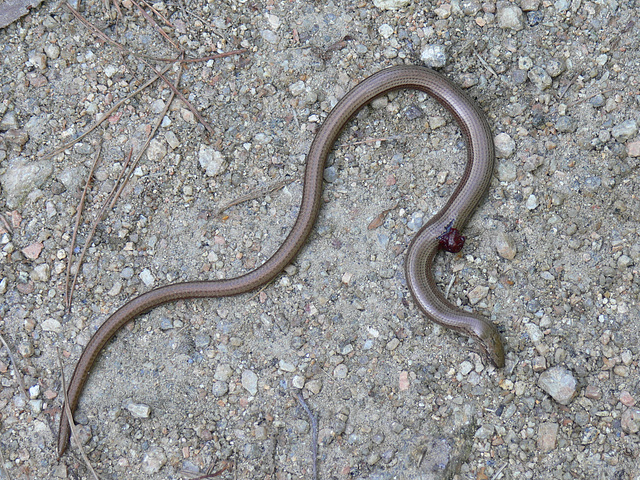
[[532, 202], [547, 436], [52, 325], [211, 161], [340, 372], [147, 277], [477, 294], [153, 460], [298, 381], [504, 145], [510, 16], [630, 421], [540, 78], [390, 4], [41, 273], [314, 386], [434, 56], [219, 389], [250, 382], [139, 410], [559, 383], [625, 130], [505, 245], [286, 366]]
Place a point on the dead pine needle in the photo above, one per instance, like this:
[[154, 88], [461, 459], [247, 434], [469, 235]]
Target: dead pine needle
[[94, 226], [68, 290], [15, 368], [104, 117], [72, 424], [256, 194], [134, 165], [226, 466]]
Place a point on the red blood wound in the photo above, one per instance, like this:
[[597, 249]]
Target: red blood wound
[[451, 240]]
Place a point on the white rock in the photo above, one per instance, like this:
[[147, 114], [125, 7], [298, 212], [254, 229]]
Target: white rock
[[390, 4], [211, 160], [153, 460], [147, 277], [250, 382], [51, 325], [434, 56]]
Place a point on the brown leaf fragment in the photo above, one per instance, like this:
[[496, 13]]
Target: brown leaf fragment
[[379, 220]]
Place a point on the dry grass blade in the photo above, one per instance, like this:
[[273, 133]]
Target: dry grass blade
[[15, 368], [116, 192], [164, 19], [215, 56], [72, 425], [67, 293], [379, 220], [182, 97], [5, 224]]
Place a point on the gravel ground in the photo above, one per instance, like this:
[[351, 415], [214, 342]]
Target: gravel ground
[[552, 254]]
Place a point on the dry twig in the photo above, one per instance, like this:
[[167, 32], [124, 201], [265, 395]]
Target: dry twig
[[257, 193], [94, 226], [146, 144], [16, 370], [143, 59], [226, 465], [2, 467], [72, 245], [72, 425], [105, 116], [155, 25]]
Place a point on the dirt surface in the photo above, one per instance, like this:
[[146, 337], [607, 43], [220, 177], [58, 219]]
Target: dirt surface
[[552, 254]]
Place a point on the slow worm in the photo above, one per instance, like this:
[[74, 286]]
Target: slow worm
[[442, 229]]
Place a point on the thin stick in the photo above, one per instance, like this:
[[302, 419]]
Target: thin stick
[[72, 425], [105, 116], [144, 148], [155, 25], [226, 465], [67, 296], [448, 289], [142, 58], [16, 369], [105, 38], [94, 226], [117, 190], [497, 474], [5, 224], [568, 86], [4, 470], [200, 118], [314, 434], [486, 65], [164, 19], [215, 56], [377, 139], [257, 193], [585, 99]]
